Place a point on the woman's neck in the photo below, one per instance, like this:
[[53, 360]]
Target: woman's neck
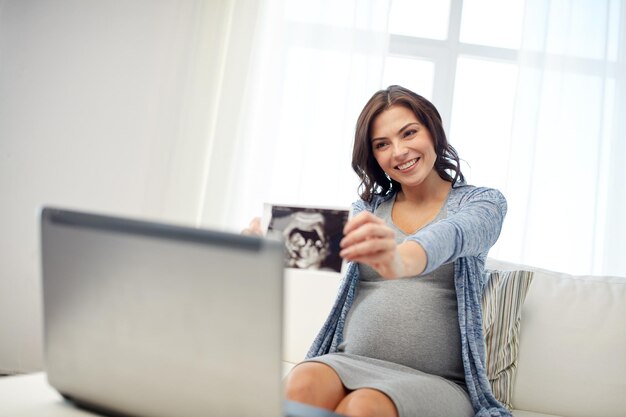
[[435, 189]]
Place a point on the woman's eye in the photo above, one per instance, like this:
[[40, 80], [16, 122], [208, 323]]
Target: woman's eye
[[379, 145], [410, 132]]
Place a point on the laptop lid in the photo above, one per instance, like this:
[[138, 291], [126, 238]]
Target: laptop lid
[[153, 320]]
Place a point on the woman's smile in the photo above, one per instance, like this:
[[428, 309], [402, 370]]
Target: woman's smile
[[406, 166]]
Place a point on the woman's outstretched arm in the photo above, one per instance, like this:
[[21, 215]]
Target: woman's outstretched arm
[[370, 241]]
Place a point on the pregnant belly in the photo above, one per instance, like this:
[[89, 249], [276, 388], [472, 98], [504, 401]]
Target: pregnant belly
[[406, 322]]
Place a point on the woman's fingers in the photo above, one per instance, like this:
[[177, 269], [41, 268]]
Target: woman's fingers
[[369, 236], [366, 234], [368, 240], [368, 247], [359, 220], [366, 230], [254, 228]]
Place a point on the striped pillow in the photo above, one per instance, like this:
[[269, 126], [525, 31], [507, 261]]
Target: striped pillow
[[503, 296]]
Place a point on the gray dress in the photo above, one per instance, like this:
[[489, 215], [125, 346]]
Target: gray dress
[[402, 338]]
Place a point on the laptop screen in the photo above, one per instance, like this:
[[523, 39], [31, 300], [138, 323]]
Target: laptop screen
[[151, 319]]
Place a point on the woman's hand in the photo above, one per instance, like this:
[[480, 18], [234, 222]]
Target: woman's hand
[[368, 240], [254, 228]]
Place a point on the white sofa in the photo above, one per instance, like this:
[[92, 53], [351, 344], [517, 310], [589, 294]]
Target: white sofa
[[572, 353]]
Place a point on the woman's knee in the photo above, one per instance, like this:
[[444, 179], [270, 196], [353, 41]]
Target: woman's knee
[[314, 383], [367, 402], [301, 381]]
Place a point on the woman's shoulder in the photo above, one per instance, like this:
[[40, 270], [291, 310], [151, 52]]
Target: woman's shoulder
[[462, 194]]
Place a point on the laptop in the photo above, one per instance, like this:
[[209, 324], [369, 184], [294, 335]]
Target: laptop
[[155, 320]]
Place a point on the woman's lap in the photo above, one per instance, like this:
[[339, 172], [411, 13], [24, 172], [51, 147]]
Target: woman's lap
[[413, 392]]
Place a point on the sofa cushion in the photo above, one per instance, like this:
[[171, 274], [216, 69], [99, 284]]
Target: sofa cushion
[[572, 344], [502, 302]]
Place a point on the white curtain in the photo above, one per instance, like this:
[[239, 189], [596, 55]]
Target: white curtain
[[563, 181], [314, 64]]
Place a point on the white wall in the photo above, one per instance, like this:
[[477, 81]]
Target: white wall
[[104, 106]]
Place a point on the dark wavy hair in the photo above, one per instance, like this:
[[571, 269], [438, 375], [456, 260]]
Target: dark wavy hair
[[374, 181]]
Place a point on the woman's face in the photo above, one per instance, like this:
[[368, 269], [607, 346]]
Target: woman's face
[[402, 146]]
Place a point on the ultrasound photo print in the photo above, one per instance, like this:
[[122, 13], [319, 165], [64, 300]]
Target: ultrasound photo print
[[311, 236]]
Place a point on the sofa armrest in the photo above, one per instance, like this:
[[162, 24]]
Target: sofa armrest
[[572, 344]]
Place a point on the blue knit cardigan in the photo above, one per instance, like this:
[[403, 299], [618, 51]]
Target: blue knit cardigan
[[472, 226]]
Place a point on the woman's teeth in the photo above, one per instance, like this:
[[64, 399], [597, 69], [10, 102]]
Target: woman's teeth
[[408, 164]]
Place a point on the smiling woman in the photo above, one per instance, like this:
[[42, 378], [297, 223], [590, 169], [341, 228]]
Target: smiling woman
[[402, 331]]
